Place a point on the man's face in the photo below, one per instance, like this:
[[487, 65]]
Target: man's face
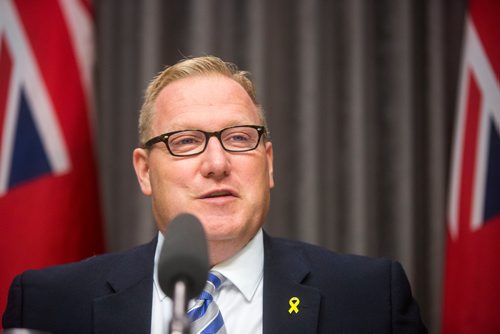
[[229, 192]]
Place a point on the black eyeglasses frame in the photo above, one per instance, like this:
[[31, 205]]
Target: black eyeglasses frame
[[261, 130]]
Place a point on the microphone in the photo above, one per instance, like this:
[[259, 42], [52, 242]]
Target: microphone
[[183, 266]]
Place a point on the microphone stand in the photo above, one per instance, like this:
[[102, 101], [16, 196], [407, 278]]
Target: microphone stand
[[180, 324]]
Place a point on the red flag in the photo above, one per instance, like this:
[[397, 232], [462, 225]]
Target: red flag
[[472, 277], [49, 204]]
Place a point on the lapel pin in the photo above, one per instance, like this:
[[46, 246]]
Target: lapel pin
[[294, 302]]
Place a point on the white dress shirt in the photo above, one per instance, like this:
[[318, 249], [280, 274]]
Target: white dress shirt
[[239, 298]]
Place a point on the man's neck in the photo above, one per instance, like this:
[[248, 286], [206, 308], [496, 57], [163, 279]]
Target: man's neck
[[220, 251]]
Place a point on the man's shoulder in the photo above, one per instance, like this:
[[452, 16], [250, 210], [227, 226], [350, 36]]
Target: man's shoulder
[[321, 259], [358, 289], [61, 297], [89, 268]]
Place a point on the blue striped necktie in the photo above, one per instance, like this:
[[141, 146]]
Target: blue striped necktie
[[205, 314]]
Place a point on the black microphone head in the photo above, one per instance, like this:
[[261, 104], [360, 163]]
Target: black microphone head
[[184, 256]]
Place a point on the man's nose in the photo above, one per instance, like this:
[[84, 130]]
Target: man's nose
[[216, 163]]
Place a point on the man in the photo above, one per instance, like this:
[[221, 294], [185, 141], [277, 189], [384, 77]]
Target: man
[[205, 150]]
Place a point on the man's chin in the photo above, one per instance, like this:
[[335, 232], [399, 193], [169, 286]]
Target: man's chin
[[219, 224], [215, 236]]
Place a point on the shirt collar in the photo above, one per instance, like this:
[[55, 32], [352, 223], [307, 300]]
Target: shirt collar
[[159, 244], [244, 270]]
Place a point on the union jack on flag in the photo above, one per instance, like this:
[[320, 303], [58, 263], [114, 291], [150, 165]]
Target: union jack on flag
[[472, 277], [32, 142], [49, 203]]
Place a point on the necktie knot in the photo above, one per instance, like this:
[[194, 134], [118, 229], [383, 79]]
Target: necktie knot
[[205, 314], [214, 281]]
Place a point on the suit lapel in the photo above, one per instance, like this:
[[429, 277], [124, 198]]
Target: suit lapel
[[285, 271], [127, 308]]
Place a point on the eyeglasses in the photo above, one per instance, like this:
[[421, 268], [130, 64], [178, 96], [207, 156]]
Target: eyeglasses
[[184, 143]]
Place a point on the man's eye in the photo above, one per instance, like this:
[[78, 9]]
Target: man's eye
[[238, 138], [182, 141], [186, 141]]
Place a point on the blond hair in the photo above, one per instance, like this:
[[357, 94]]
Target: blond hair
[[185, 68]]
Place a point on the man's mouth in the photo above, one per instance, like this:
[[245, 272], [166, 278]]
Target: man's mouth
[[218, 193]]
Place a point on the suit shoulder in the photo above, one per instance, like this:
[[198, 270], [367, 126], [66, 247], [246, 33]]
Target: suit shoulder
[[322, 252], [58, 298], [377, 288], [324, 260], [95, 266]]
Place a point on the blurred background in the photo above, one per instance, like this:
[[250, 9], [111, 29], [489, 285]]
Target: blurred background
[[360, 99], [360, 96]]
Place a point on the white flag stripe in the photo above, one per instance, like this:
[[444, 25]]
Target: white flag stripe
[[456, 162], [80, 27]]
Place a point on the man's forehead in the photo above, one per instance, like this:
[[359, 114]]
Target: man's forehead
[[204, 89], [202, 99]]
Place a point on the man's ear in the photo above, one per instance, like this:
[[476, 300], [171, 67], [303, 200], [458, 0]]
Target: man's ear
[[269, 154], [140, 159]]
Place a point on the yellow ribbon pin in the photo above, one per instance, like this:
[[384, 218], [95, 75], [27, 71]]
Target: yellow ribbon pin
[[294, 302]]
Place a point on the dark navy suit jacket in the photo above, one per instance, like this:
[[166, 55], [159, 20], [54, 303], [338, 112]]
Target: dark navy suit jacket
[[113, 293]]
